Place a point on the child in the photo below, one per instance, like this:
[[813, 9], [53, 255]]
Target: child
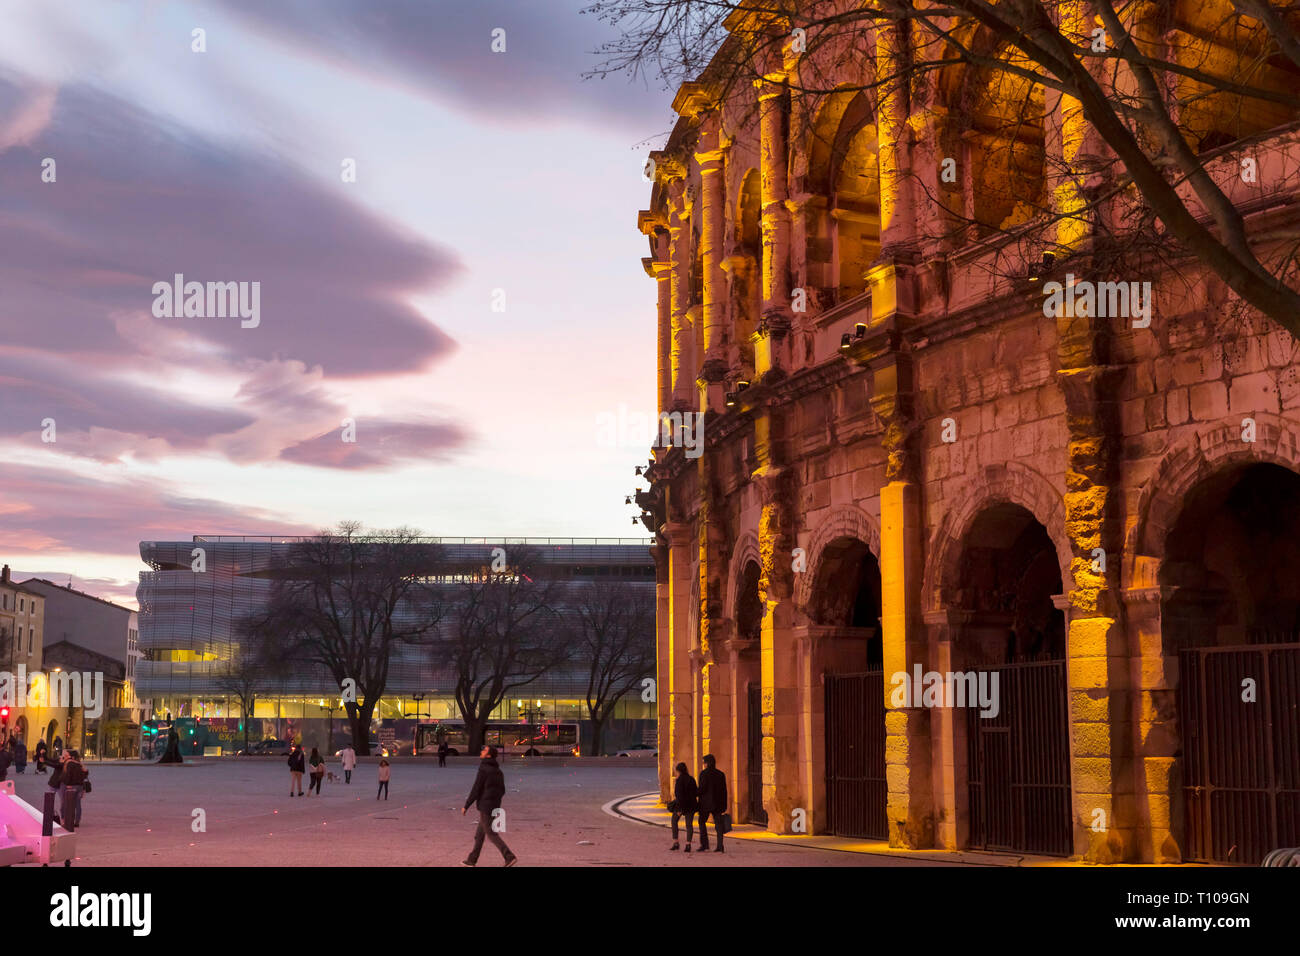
[[383, 779]]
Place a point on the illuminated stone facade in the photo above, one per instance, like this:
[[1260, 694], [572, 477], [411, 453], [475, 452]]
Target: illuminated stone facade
[[1006, 487]]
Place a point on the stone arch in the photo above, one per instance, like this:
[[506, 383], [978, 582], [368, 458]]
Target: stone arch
[[845, 521], [746, 550], [996, 130], [1186, 465], [1011, 483]]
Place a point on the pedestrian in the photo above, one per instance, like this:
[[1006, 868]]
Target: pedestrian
[[55, 786], [384, 774], [40, 755], [20, 755], [6, 758], [442, 753], [684, 804], [74, 781], [489, 787], [317, 772], [713, 801], [297, 764], [349, 762]]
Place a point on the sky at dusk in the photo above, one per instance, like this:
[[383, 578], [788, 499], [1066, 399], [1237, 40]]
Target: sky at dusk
[[475, 172]]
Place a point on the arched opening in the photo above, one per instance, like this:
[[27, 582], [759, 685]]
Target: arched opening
[[51, 733], [1212, 38], [844, 175], [1231, 613], [846, 602], [1009, 657], [1004, 143], [749, 627]]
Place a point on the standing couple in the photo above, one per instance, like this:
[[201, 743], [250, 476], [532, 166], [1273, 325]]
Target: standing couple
[[708, 798]]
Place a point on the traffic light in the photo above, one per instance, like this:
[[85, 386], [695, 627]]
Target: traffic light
[[4, 716]]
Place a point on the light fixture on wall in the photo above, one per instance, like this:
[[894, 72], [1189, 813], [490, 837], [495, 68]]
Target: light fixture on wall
[[731, 399], [860, 330], [845, 342], [1036, 273]]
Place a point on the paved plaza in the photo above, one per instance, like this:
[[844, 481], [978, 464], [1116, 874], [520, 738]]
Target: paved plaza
[[142, 814]]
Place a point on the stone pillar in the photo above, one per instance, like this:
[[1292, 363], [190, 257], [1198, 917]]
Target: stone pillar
[[1097, 652], [773, 105], [712, 164], [683, 345], [659, 267], [897, 210], [1158, 797], [681, 680], [908, 771], [777, 653], [811, 643], [663, 667], [948, 739]]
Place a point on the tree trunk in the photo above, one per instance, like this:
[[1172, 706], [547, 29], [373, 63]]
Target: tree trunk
[[597, 735], [359, 716]]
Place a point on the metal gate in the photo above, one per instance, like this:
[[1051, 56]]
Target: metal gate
[[1241, 759], [1018, 763], [757, 813], [855, 755]]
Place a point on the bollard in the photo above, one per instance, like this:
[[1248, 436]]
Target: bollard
[[47, 822]]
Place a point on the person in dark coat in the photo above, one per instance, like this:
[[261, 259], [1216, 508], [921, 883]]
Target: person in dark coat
[[713, 800], [686, 797], [489, 787], [6, 757], [443, 749], [20, 755], [297, 764], [40, 755]]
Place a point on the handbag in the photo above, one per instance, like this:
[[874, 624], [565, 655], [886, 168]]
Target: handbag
[[672, 806], [85, 787], [724, 823]]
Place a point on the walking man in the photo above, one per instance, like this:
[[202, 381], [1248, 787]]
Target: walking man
[[349, 762], [713, 801], [489, 787]]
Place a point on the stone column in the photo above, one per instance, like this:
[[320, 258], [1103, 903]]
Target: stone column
[[910, 805], [773, 105], [683, 345], [681, 680], [897, 210], [948, 739], [1158, 797], [1097, 668], [777, 654], [659, 267], [711, 158], [663, 667], [811, 643]]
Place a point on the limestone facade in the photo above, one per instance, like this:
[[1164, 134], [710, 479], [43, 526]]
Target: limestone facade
[[891, 418]]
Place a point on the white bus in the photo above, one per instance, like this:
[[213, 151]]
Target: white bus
[[508, 736]]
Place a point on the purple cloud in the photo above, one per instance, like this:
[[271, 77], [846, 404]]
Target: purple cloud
[[444, 50]]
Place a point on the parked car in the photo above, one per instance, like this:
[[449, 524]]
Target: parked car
[[639, 750], [271, 747]]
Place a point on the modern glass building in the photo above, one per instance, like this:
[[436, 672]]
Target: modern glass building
[[189, 622]]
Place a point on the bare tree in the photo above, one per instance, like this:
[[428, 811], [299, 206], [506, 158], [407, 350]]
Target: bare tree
[[615, 623], [246, 677], [1173, 100], [346, 600], [503, 632]]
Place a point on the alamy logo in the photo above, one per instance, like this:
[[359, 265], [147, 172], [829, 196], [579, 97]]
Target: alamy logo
[[82, 689], [950, 689], [1122, 300], [628, 429], [212, 300], [74, 908]]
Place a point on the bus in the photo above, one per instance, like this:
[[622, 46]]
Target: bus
[[508, 736]]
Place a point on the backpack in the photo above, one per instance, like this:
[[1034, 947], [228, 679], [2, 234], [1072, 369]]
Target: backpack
[[74, 775]]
